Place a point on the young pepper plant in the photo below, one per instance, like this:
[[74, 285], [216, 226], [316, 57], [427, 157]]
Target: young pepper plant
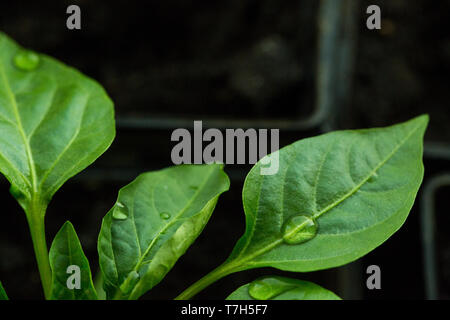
[[54, 122], [335, 198]]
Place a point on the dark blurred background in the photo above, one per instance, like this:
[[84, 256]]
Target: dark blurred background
[[305, 67]]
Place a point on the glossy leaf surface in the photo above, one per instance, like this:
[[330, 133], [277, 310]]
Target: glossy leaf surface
[[54, 122], [66, 260], [154, 221], [335, 198]]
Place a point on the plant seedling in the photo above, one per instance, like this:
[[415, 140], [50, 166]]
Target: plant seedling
[[335, 197]]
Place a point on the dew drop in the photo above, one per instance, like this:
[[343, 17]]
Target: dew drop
[[26, 60], [129, 282], [267, 287], [373, 177], [299, 229], [120, 211], [164, 215], [16, 192]]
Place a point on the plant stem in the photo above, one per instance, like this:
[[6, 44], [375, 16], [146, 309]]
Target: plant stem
[[36, 216], [218, 273]]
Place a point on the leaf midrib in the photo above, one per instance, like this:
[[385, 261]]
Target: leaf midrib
[[333, 204], [69, 249], [36, 188], [150, 246], [20, 127], [334, 235]]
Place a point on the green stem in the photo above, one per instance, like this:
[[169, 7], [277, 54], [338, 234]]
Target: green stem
[[217, 274], [36, 222]]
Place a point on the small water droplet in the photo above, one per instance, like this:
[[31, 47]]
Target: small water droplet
[[16, 192], [164, 215], [267, 287], [299, 229], [120, 211], [130, 282], [373, 177], [26, 60]]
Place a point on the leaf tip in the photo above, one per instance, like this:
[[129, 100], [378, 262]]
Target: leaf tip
[[423, 120], [66, 225], [66, 230]]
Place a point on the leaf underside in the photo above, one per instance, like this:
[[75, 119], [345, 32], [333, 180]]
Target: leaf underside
[[66, 251], [155, 219], [54, 122], [358, 185]]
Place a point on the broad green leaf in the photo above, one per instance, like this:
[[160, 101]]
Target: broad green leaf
[[54, 122], [281, 288], [3, 295], [335, 198], [66, 259], [154, 221]]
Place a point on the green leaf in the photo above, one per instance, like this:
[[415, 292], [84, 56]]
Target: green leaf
[[66, 252], [154, 221], [54, 122], [3, 295], [338, 196], [281, 288]]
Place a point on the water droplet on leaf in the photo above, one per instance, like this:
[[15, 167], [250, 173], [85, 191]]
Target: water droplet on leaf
[[267, 288], [26, 60], [130, 282], [299, 229], [16, 192], [120, 211], [373, 177], [164, 215]]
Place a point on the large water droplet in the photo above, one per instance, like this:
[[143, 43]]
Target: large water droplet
[[268, 287], [120, 211], [165, 215], [26, 60], [299, 229]]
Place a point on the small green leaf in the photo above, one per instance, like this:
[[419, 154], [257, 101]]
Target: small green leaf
[[281, 288], [66, 258], [3, 295], [54, 122], [154, 221], [335, 198]]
